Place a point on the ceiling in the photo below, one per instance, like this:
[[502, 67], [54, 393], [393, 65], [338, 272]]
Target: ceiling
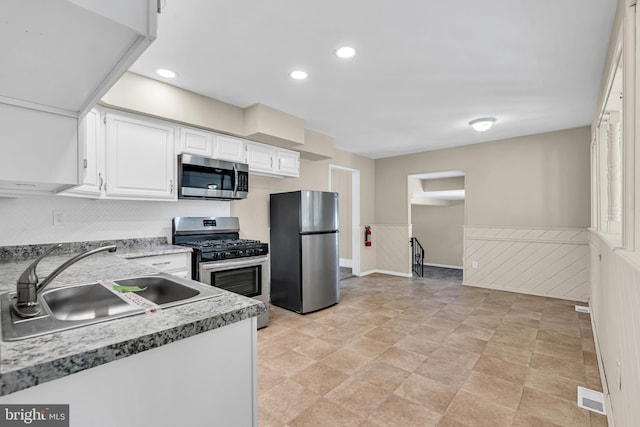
[[423, 69]]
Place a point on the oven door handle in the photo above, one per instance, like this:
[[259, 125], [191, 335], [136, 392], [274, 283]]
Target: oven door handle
[[232, 265]]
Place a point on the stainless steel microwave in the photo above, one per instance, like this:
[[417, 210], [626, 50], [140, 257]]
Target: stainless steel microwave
[[206, 178]]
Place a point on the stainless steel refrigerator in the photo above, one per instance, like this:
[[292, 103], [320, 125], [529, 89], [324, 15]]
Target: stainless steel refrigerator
[[304, 250]]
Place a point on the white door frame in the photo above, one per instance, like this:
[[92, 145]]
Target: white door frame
[[355, 214]]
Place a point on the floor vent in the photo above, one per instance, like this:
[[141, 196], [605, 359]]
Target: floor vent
[[583, 309], [591, 400]]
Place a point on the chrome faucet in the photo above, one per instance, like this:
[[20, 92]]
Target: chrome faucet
[[28, 286]]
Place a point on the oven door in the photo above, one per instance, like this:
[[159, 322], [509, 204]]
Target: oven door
[[246, 276]]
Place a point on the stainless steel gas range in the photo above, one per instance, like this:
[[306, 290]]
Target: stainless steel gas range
[[220, 258]]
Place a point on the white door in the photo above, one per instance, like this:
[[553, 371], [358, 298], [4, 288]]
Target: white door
[[140, 158]]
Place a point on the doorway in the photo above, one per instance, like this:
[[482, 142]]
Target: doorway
[[346, 182], [437, 218]]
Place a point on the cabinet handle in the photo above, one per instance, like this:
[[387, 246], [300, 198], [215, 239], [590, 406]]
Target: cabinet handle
[[101, 182], [271, 166], [170, 186], [157, 264], [280, 163]]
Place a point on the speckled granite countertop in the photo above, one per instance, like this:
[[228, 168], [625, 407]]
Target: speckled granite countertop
[[33, 361], [127, 248]]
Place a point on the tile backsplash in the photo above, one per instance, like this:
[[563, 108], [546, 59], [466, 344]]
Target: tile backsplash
[[30, 220]]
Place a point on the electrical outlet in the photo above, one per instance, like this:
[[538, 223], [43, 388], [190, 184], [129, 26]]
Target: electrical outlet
[[59, 218], [474, 264]]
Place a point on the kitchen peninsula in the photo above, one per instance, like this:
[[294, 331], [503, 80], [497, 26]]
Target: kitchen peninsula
[[178, 366]]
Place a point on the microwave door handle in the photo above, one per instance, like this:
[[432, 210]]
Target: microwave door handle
[[235, 179]]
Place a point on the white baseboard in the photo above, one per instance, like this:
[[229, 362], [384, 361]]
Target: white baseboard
[[344, 262], [390, 273], [457, 267], [520, 291]]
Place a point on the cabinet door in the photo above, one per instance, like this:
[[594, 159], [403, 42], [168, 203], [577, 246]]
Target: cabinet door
[[287, 163], [92, 139], [231, 149], [140, 158], [260, 157], [197, 142], [175, 264]]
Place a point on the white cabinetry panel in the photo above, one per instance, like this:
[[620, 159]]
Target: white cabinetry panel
[[92, 139], [267, 160], [38, 152], [176, 264], [260, 157], [140, 158], [64, 55], [197, 142], [288, 162], [231, 149]]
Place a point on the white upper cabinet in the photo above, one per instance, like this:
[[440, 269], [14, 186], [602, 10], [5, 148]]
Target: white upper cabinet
[[61, 56], [228, 148], [140, 159], [260, 157], [287, 162], [194, 141], [93, 159], [272, 161]]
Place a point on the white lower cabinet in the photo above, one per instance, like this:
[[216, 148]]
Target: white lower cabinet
[[176, 264], [209, 379], [140, 159]]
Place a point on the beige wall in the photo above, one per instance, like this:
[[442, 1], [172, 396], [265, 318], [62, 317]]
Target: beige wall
[[440, 231], [314, 175], [537, 180]]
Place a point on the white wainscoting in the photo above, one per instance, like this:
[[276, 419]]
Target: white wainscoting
[[393, 250], [550, 262], [615, 284]]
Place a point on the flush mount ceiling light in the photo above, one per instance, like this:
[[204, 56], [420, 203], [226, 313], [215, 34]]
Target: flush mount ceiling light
[[345, 52], [298, 75], [167, 74], [483, 124]]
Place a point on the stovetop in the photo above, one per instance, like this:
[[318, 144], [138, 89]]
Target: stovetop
[[213, 245], [215, 238], [217, 250]]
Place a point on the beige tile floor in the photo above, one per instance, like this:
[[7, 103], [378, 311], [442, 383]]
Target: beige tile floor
[[422, 352]]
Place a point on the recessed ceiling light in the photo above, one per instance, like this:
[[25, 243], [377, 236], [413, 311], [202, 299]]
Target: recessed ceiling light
[[345, 52], [483, 124], [298, 75], [168, 74]]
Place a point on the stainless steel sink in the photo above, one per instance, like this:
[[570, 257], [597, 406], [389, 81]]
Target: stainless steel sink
[[84, 302], [160, 290], [69, 307]]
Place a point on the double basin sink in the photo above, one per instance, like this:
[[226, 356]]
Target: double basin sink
[[69, 307]]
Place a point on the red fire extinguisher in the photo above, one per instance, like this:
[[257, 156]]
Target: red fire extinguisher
[[367, 236]]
